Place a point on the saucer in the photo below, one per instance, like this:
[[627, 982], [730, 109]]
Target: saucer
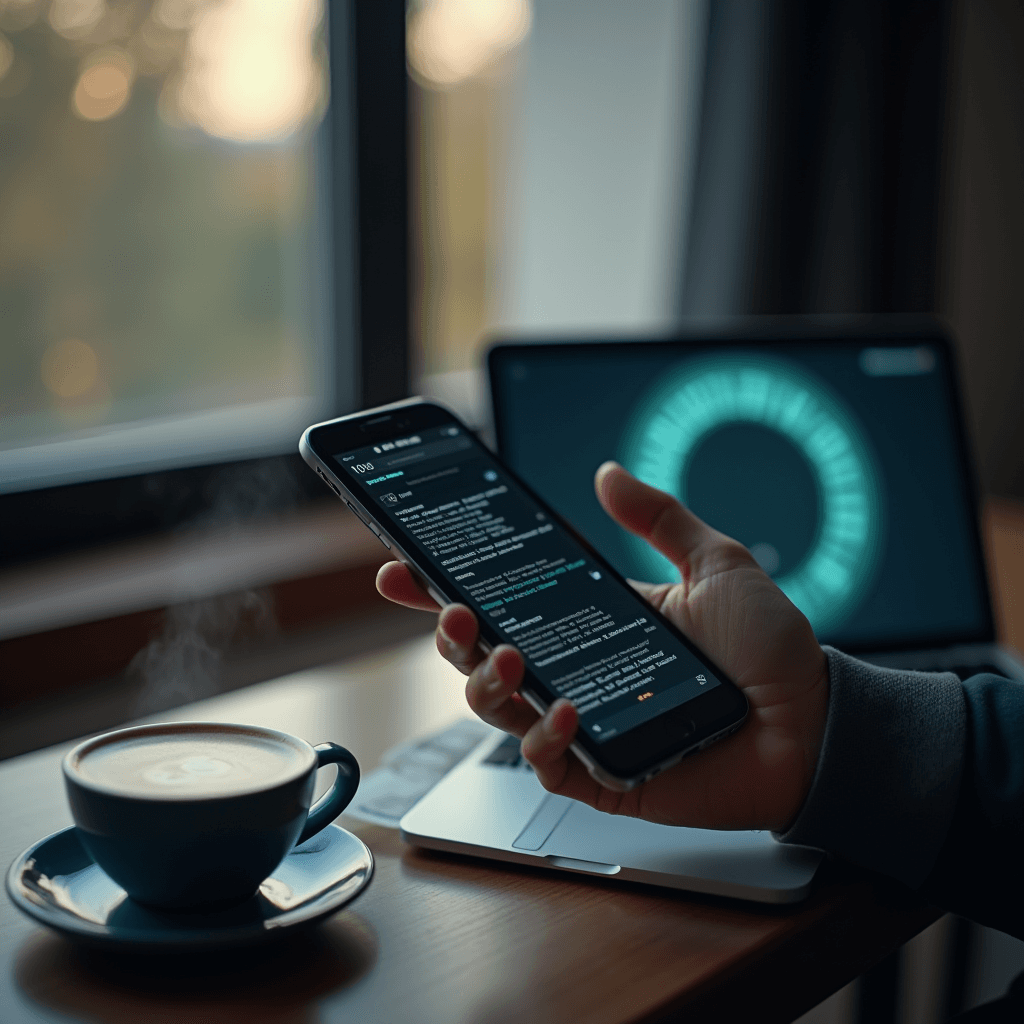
[[59, 885]]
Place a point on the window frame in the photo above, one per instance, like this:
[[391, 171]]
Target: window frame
[[365, 136]]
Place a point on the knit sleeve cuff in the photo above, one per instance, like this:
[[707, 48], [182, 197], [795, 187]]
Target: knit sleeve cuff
[[888, 776]]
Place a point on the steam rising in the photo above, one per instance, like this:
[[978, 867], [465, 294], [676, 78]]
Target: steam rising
[[185, 662]]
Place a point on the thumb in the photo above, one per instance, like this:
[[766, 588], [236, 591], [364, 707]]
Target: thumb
[[652, 515]]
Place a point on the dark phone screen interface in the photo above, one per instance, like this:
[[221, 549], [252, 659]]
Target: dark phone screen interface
[[583, 634]]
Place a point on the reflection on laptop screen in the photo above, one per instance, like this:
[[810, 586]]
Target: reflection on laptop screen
[[836, 463]]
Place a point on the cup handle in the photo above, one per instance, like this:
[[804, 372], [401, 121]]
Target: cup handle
[[337, 798]]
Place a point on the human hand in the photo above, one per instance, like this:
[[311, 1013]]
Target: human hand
[[730, 608]]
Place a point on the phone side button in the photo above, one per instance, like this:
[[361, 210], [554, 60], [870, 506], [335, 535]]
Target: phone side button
[[372, 527], [355, 512]]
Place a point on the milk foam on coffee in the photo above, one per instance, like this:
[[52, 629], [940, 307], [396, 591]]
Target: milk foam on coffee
[[193, 766]]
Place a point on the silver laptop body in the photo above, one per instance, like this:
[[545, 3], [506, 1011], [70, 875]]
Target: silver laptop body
[[491, 805]]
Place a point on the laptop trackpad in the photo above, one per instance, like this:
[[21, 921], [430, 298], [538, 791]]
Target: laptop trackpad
[[544, 821]]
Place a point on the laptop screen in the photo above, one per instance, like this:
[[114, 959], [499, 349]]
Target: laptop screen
[[839, 464]]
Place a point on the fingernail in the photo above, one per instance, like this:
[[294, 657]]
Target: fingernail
[[495, 682], [549, 722], [486, 677], [450, 646]]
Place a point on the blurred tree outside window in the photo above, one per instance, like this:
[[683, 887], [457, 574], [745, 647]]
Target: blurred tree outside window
[[161, 242]]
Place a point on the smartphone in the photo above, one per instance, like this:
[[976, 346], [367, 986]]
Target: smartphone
[[473, 533]]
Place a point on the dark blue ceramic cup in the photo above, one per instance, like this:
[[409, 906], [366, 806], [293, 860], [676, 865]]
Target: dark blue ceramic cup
[[194, 815]]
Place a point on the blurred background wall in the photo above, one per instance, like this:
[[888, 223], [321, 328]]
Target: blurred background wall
[[981, 288]]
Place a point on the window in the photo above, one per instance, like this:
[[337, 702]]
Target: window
[[164, 234], [317, 303]]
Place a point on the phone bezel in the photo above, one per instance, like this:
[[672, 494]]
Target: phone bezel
[[621, 762]]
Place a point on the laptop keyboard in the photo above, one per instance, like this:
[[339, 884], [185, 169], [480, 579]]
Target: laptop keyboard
[[507, 755]]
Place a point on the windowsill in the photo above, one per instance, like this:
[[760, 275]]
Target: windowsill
[[174, 569], [31, 720], [160, 571]]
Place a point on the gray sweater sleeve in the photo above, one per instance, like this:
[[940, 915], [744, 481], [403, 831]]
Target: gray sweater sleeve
[[886, 786]]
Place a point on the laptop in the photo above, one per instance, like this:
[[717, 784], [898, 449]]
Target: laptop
[[838, 459]]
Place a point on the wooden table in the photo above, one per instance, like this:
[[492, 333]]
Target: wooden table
[[439, 937]]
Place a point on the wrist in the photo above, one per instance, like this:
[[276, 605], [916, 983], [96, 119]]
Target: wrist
[[813, 719], [818, 717], [887, 777]]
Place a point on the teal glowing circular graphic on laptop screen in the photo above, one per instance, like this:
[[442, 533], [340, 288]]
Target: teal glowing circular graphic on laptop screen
[[767, 453]]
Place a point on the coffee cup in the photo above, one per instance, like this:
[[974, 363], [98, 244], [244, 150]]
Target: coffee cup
[[195, 815]]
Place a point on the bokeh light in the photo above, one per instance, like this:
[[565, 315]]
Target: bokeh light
[[450, 41], [176, 15], [104, 86], [75, 19], [6, 55], [250, 70], [70, 368], [19, 14]]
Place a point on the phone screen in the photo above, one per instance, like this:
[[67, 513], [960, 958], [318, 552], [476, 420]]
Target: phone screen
[[585, 634]]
